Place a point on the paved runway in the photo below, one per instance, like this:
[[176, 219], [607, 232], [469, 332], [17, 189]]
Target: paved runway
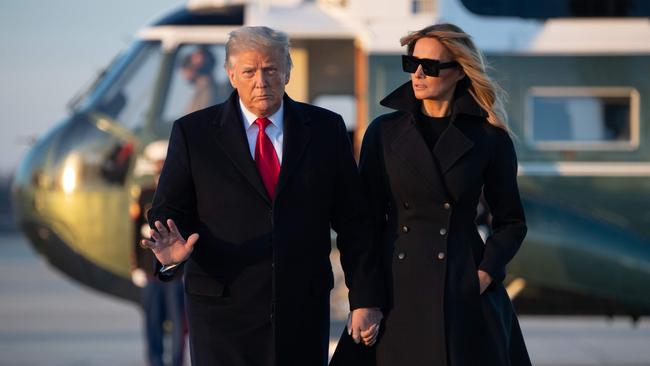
[[47, 320]]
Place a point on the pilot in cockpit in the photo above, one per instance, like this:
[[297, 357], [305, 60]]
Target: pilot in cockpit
[[197, 68]]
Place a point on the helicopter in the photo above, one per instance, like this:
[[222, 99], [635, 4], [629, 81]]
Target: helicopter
[[572, 69]]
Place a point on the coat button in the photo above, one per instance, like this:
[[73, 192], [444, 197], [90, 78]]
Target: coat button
[[401, 255], [405, 229], [443, 231], [406, 205], [441, 255], [446, 205]]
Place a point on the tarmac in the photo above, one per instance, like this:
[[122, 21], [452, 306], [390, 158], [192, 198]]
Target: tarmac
[[46, 319]]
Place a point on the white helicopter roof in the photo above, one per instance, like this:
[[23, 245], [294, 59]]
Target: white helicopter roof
[[205, 22], [594, 36], [377, 25]]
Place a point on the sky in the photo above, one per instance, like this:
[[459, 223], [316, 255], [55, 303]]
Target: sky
[[52, 49]]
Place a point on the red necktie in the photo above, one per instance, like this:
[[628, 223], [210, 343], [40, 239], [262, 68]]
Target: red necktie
[[266, 158]]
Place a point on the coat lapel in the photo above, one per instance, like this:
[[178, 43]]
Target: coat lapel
[[410, 147], [231, 137], [452, 144], [296, 138]]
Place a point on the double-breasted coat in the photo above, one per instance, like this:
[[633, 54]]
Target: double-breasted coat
[[423, 206], [257, 283]]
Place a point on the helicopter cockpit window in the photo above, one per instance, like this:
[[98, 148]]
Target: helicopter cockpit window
[[128, 99], [198, 80], [583, 118]]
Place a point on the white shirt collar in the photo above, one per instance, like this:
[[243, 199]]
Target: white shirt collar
[[249, 117]]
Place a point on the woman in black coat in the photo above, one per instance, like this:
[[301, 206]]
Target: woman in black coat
[[425, 167]]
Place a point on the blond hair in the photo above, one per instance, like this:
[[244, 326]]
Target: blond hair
[[483, 89]]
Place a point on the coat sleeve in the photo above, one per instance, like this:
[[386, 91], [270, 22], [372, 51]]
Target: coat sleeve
[[350, 220], [374, 180], [502, 195], [175, 196]]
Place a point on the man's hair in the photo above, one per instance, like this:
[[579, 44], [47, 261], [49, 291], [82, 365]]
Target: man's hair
[[262, 39]]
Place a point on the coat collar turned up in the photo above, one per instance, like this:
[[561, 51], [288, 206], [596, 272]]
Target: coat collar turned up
[[406, 141], [403, 99]]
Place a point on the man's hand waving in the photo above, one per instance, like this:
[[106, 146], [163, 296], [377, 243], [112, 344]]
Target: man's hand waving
[[168, 246]]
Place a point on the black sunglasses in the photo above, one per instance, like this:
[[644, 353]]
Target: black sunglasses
[[430, 67]]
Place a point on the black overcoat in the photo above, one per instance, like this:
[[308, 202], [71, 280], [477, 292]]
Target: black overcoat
[[423, 205], [257, 283]]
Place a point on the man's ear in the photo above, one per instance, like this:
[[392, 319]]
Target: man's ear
[[230, 70], [287, 77], [231, 77]]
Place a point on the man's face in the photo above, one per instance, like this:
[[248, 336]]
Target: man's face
[[259, 78]]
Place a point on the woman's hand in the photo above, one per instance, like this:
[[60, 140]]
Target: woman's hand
[[168, 246], [484, 280]]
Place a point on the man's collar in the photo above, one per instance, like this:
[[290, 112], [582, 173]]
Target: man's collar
[[250, 117]]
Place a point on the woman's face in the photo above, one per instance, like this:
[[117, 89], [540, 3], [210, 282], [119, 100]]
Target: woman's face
[[430, 87]]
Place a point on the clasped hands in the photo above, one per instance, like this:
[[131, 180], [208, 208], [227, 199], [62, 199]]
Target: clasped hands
[[363, 325], [169, 247]]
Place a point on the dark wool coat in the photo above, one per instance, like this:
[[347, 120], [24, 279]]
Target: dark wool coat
[[257, 283], [423, 204]]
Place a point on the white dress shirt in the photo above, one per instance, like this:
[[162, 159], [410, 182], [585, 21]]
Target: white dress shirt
[[274, 130]]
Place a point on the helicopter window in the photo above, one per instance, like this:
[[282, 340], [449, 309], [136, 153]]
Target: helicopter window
[[198, 80], [128, 99], [583, 118]]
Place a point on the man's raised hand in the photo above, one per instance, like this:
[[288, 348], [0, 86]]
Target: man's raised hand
[[169, 246]]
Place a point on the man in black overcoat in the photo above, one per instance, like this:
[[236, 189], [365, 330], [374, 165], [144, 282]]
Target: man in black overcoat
[[246, 199]]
